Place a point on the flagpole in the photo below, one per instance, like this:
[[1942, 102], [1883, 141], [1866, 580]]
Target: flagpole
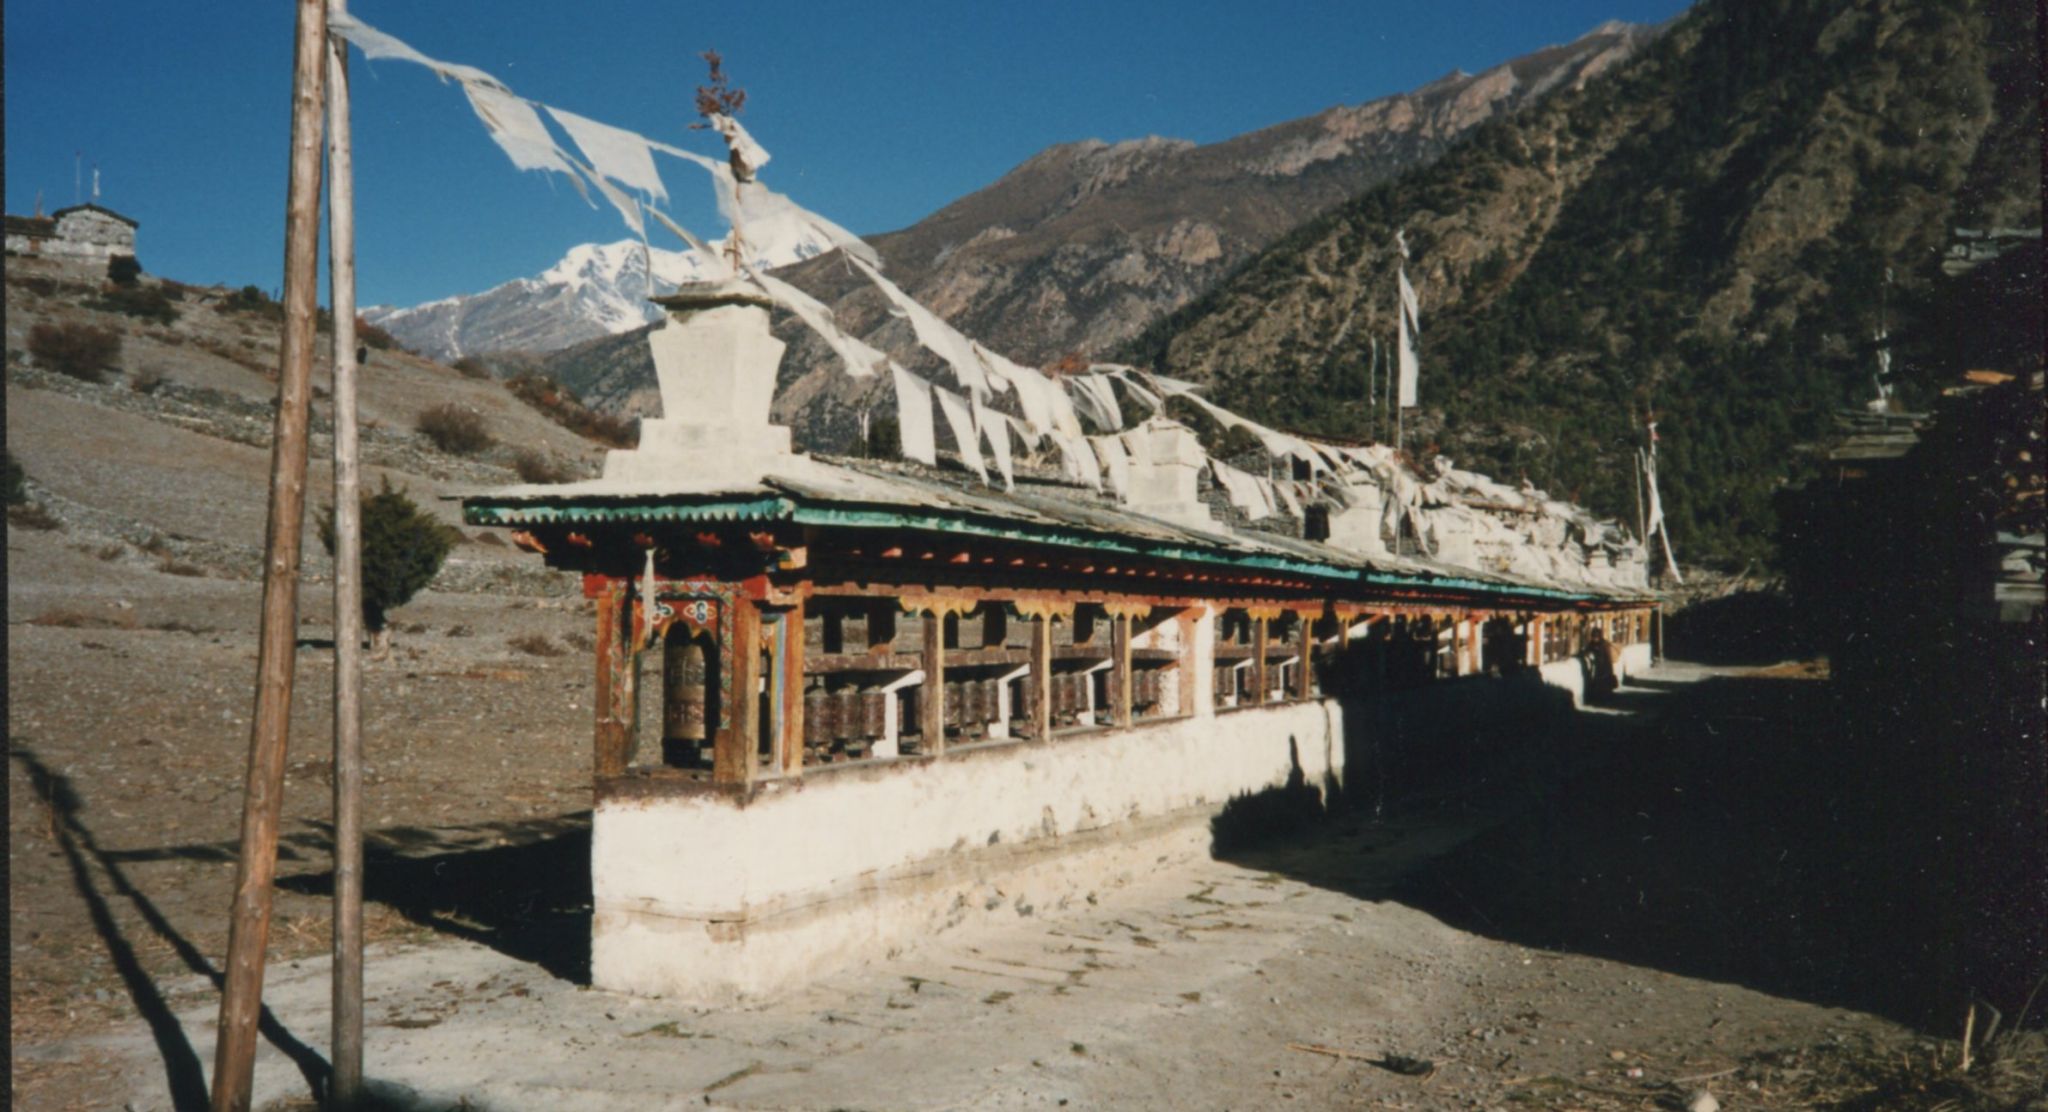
[[347, 985], [1642, 528], [249, 922]]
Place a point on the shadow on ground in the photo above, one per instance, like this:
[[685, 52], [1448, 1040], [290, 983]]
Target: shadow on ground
[[1739, 833], [102, 883], [522, 889]]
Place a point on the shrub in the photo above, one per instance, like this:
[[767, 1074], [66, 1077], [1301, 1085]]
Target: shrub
[[16, 481], [469, 366], [560, 405], [78, 350], [148, 380], [375, 337], [124, 270], [34, 515], [250, 299], [538, 467], [145, 302], [454, 429], [403, 549]]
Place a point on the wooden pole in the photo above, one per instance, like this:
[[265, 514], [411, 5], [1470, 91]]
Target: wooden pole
[[347, 1019], [1120, 668], [931, 703], [1041, 677], [1259, 635], [249, 924], [1642, 528]]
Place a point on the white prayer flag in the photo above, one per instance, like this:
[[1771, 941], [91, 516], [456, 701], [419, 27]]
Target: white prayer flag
[[1243, 489], [515, 127], [961, 420], [1409, 303], [938, 337], [614, 152], [1409, 364], [1110, 450], [860, 359], [914, 416], [1099, 398], [996, 427]]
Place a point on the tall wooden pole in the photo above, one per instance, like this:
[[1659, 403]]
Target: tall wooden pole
[[346, 1089], [249, 926], [1642, 527]]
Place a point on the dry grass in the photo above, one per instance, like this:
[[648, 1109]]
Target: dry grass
[[78, 350], [34, 515], [535, 466], [172, 566], [79, 619], [535, 644], [454, 429]]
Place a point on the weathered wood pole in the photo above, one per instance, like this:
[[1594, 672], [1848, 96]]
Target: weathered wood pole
[[249, 924], [1259, 642], [1120, 668], [931, 703], [345, 1091], [1041, 677]]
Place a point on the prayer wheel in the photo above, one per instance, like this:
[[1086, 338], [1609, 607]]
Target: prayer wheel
[[846, 713], [817, 725], [873, 713], [682, 687]]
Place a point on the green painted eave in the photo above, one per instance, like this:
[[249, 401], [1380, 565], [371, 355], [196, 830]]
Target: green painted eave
[[483, 511]]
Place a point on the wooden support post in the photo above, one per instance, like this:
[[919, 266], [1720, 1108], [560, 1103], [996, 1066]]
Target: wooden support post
[[249, 923], [1192, 664], [615, 700], [1041, 676], [792, 665], [1305, 642], [345, 1091], [931, 702], [1120, 668], [738, 737], [1260, 633]]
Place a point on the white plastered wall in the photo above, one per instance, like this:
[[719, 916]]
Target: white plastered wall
[[702, 898]]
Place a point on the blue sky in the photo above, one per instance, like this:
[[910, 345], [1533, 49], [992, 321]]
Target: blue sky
[[877, 113]]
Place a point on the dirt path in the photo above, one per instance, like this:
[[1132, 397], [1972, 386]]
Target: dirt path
[[1283, 976]]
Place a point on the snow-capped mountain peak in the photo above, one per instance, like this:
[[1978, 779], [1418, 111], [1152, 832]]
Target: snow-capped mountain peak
[[595, 289]]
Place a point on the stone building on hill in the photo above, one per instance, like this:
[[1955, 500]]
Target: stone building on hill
[[85, 233]]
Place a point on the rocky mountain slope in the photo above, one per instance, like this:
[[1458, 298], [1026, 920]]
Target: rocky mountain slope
[[597, 289], [1704, 234], [1084, 244], [160, 470]]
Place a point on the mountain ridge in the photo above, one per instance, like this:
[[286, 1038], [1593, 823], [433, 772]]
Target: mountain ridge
[[1704, 236], [1080, 246]]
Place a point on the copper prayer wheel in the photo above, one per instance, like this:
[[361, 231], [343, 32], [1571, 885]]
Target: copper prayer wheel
[[682, 686]]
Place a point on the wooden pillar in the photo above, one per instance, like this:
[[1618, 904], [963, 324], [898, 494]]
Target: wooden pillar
[[733, 747], [614, 701], [1305, 642], [1192, 664], [277, 643], [931, 702], [791, 664], [1120, 668], [346, 1089], [1260, 634], [1041, 676]]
